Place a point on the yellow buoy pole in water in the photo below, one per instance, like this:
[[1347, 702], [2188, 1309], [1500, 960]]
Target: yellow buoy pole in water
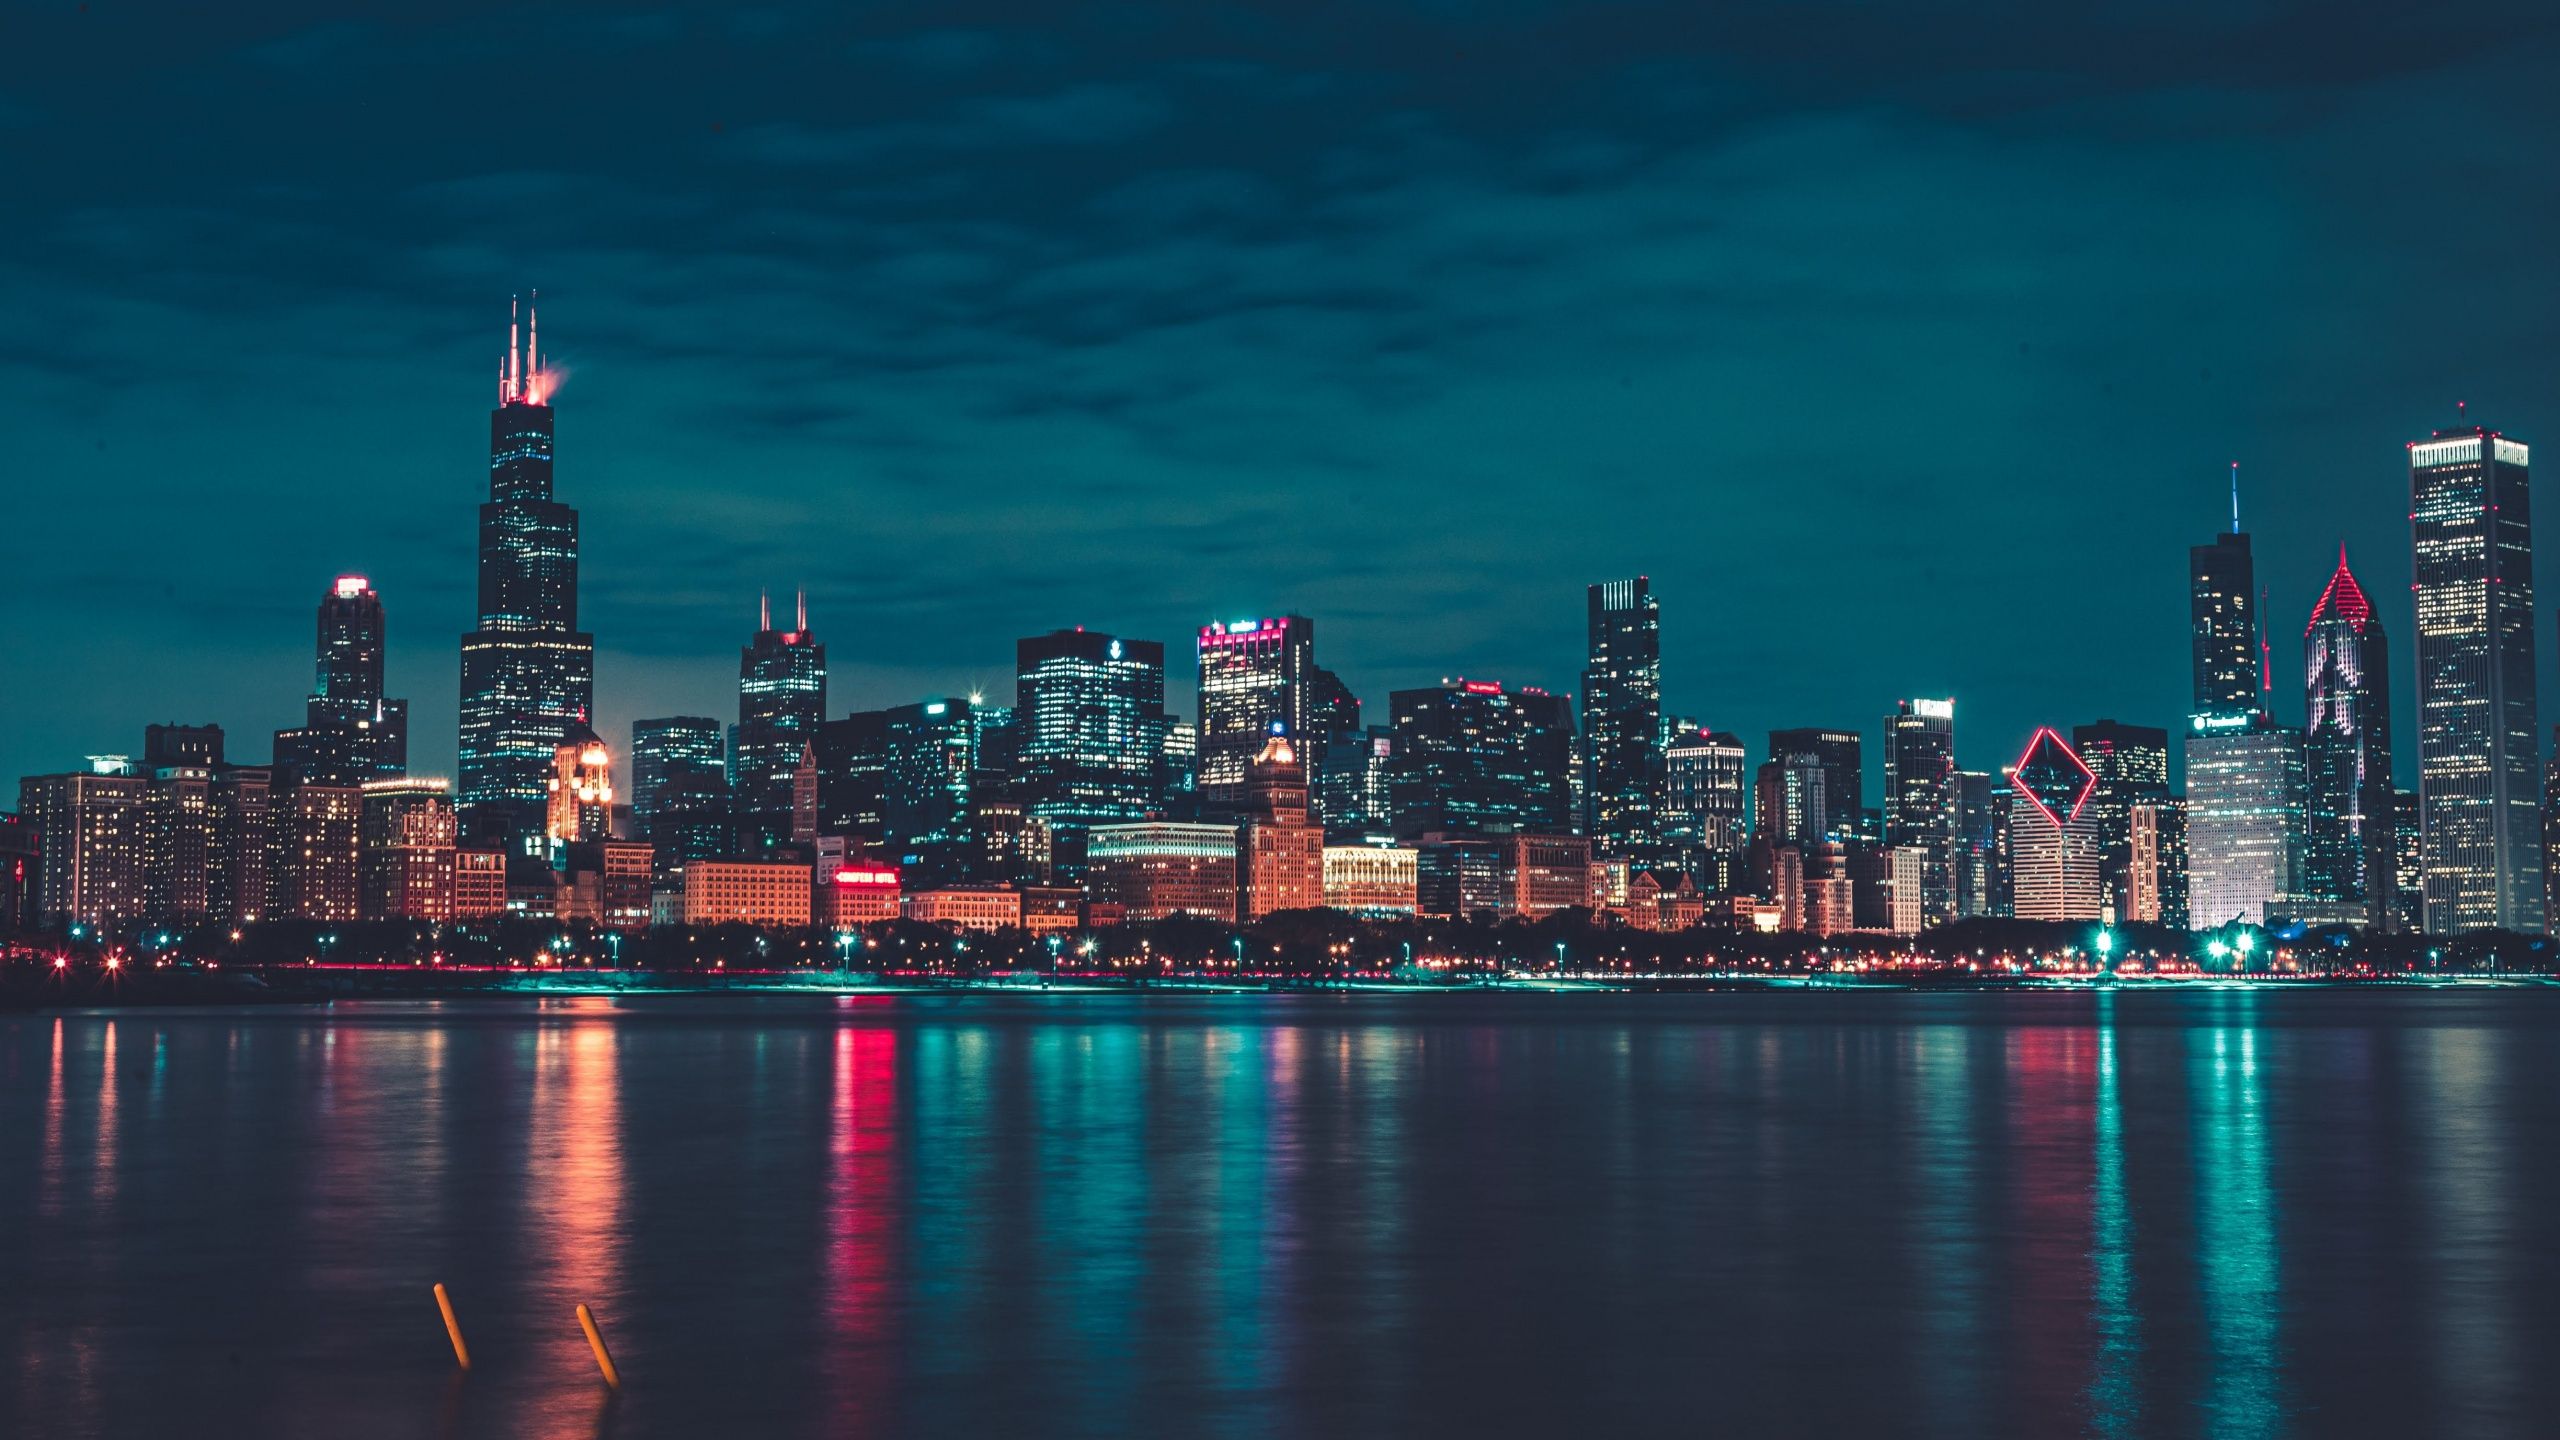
[[595, 1342], [453, 1328]]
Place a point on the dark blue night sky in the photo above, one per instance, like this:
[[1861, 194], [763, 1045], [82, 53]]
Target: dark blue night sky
[[1904, 347]]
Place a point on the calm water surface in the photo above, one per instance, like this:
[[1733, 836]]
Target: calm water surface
[[2225, 1213]]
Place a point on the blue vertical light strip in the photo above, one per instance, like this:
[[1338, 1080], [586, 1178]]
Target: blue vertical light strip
[[2115, 1393], [2235, 1242]]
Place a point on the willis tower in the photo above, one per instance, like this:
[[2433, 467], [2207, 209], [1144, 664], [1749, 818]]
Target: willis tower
[[528, 672]]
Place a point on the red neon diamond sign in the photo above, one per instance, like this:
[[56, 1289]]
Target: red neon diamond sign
[[2053, 775]]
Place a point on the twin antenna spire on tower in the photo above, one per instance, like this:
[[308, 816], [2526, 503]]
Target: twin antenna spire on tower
[[520, 369], [764, 611]]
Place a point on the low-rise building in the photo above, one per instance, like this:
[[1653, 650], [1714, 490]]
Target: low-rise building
[[1375, 881], [717, 892], [966, 907]]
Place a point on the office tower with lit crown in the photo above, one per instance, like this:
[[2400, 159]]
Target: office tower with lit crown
[[1703, 806], [2479, 770], [2053, 839], [1255, 674], [1622, 718], [1919, 784], [1470, 758], [2349, 855], [528, 671], [1091, 711], [1280, 852], [782, 695], [350, 732], [2131, 767]]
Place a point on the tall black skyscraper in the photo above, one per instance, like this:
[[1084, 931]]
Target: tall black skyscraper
[[350, 733], [1622, 718], [528, 671], [2223, 609], [2479, 770], [782, 695], [2349, 853]]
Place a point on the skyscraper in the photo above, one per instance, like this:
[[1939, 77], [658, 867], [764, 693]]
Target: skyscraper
[[1837, 754], [1703, 811], [1091, 711], [1279, 850], [2244, 772], [782, 695], [928, 782], [1469, 758], [350, 733], [2131, 766], [2053, 840], [2349, 855], [2244, 818], [2471, 529], [680, 790], [1622, 718], [2223, 609], [528, 671], [1254, 674], [1919, 781]]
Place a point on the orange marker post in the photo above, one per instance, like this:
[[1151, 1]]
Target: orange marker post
[[453, 1328], [595, 1342]]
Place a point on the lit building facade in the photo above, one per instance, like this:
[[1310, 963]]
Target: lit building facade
[[1354, 798], [1830, 807], [1091, 711], [2244, 818], [2349, 855], [1622, 718], [92, 830], [966, 907], [407, 850], [528, 671], [1705, 799], [1255, 674], [782, 697], [350, 732], [928, 784], [1281, 849], [680, 790], [717, 892], [315, 868], [2131, 763], [1920, 799], [2054, 843], [1160, 868], [1470, 758], [2479, 788], [1376, 882]]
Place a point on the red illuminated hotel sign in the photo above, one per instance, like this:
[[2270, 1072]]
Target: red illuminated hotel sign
[[868, 877]]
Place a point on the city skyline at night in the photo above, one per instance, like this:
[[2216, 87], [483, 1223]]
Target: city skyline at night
[[975, 339]]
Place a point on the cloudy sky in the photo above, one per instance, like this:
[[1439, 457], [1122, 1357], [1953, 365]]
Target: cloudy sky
[[1904, 347]]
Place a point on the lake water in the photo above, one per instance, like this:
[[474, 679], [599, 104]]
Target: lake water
[[2214, 1212]]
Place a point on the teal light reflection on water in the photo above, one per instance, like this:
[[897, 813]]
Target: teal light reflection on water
[[2236, 1254]]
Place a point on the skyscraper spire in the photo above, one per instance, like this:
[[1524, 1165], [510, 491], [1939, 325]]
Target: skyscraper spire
[[533, 347], [802, 623], [764, 611], [515, 372], [2235, 497]]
